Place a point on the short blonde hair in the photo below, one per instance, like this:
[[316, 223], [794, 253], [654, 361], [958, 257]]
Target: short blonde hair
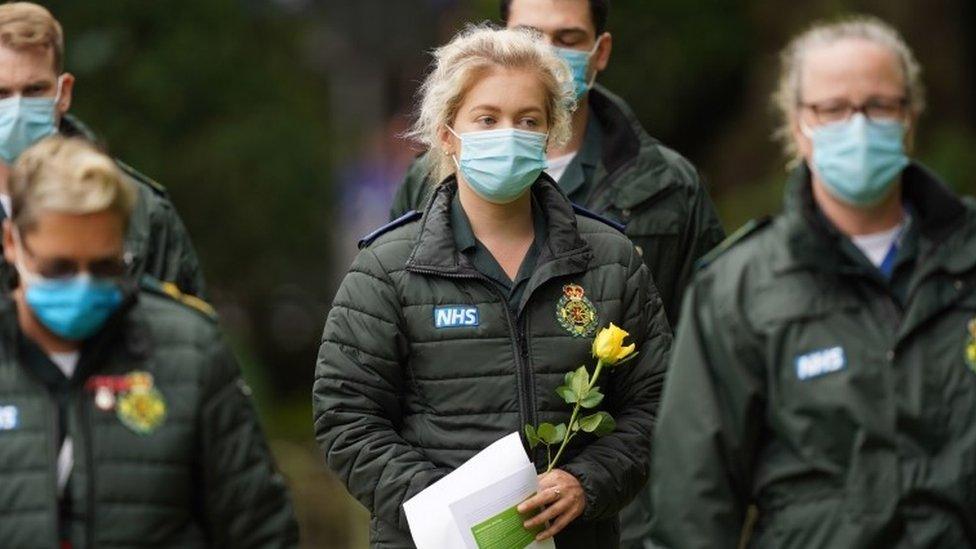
[[787, 98], [458, 64], [25, 25], [67, 175]]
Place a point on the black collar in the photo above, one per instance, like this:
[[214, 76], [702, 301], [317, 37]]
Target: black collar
[[436, 250], [815, 241], [621, 141]]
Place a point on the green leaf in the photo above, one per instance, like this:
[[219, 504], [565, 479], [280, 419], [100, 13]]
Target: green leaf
[[568, 378], [566, 393], [560, 432], [606, 426], [592, 399], [547, 433], [575, 426], [531, 436], [600, 423], [579, 382]]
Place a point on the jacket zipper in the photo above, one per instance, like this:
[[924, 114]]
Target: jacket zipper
[[56, 451], [519, 345], [85, 419]]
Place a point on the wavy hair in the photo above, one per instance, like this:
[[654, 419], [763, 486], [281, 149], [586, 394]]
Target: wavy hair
[[461, 61]]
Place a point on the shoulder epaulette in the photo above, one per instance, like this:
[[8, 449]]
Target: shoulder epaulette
[[583, 212], [742, 233], [412, 215], [173, 292], [157, 187]]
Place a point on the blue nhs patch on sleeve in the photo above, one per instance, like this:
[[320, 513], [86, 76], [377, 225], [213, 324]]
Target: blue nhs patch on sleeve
[[818, 363], [456, 316]]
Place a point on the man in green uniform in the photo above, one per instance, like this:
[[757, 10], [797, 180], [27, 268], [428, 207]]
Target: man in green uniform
[[35, 95], [610, 165], [124, 421], [824, 369]]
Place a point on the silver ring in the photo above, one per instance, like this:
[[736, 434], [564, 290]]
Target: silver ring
[[558, 493]]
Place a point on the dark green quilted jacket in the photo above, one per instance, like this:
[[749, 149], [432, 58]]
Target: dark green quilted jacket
[[200, 476], [399, 403]]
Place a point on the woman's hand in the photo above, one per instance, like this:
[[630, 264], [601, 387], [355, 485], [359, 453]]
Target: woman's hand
[[561, 500]]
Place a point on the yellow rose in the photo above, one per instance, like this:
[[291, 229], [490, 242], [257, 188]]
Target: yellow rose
[[608, 345]]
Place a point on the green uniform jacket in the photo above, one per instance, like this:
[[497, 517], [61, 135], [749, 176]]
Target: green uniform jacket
[[801, 382], [638, 182], [200, 477], [157, 243], [399, 403]]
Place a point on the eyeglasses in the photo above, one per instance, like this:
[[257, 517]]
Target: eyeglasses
[[876, 109], [61, 268]]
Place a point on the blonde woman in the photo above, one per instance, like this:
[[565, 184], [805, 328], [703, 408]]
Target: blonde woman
[[454, 327]]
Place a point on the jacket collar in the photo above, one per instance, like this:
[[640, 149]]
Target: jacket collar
[[627, 147], [564, 251], [72, 126], [814, 242]]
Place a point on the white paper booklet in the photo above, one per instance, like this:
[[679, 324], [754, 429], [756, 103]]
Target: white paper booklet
[[473, 507]]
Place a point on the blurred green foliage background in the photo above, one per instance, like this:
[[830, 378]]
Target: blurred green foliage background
[[274, 124]]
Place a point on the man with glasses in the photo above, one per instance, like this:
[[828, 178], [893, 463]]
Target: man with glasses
[[824, 370], [35, 95], [124, 421]]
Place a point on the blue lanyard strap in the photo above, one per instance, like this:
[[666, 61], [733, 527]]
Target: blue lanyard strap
[[887, 266]]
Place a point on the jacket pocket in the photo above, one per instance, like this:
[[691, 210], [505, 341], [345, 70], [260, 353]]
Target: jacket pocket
[[831, 410]]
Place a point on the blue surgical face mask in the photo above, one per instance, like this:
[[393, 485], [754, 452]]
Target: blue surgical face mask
[[579, 66], [858, 159], [73, 308], [25, 121], [499, 165]]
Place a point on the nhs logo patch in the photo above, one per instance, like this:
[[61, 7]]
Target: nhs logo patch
[[821, 362], [456, 316], [8, 418]]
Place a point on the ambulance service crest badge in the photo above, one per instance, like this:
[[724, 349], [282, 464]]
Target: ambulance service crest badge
[[575, 312], [141, 406]]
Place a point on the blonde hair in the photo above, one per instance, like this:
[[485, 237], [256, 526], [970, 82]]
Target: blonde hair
[[66, 175], [787, 98], [25, 25], [462, 60]]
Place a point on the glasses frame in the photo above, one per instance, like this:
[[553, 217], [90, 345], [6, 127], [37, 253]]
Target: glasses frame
[[864, 108], [123, 264]]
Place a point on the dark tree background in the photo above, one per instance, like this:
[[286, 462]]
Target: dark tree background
[[275, 123]]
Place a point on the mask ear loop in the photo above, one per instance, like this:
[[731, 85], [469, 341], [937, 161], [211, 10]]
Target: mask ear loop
[[589, 85], [807, 131], [26, 275], [57, 99], [453, 156]]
